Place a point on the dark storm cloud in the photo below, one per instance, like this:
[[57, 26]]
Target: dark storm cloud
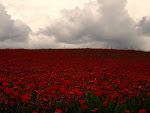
[[10, 29]]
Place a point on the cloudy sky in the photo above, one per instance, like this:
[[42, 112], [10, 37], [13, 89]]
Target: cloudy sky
[[119, 24]]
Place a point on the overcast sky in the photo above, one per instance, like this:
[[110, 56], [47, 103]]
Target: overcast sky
[[118, 24]]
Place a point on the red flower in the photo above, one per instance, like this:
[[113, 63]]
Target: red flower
[[142, 111], [84, 107], [34, 112], [26, 98], [43, 111], [79, 93], [16, 94], [99, 94], [105, 103], [126, 111], [58, 111], [6, 84], [143, 99], [122, 102], [148, 94], [82, 101]]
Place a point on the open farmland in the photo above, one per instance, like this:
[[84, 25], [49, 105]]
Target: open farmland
[[74, 81]]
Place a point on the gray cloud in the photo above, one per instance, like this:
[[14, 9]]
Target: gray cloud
[[74, 27], [12, 30], [104, 21], [144, 26]]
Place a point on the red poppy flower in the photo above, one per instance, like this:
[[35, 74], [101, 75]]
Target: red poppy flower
[[99, 94], [122, 102], [142, 111], [126, 111], [148, 94], [34, 112], [84, 107], [58, 111], [82, 101], [6, 84], [105, 103], [143, 99], [26, 98]]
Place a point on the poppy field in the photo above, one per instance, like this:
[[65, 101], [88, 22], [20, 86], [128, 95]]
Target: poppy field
[[74, 81]]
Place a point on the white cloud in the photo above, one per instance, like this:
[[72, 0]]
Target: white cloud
[[138, 9], [38, 13]]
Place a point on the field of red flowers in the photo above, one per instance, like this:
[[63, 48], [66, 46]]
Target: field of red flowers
[[74, 81]]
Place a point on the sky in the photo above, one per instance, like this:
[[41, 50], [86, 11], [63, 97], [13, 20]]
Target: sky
[[36, 24]]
